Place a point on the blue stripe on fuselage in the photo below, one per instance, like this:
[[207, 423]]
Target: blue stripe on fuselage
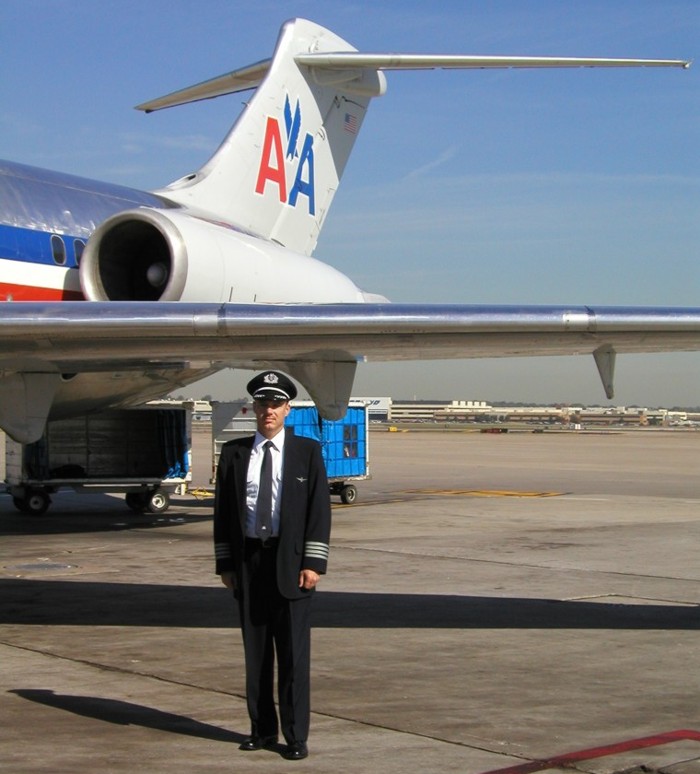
[[33, 246]]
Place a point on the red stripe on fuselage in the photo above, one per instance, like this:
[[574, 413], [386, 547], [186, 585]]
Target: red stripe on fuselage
[[10, 292]]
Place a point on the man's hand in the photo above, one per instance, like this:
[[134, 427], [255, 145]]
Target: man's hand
[[308, 579], [227, 580]]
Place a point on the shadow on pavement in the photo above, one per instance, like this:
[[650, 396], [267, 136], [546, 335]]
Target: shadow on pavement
[[80, 603], [125, 713]]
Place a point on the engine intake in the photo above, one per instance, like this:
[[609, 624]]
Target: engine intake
[[137, 255]]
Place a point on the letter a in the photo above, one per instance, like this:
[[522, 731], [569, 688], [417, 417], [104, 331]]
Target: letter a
[[305, 187], [275, 174]]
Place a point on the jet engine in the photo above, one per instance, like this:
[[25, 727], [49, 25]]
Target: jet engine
[[172, 255]]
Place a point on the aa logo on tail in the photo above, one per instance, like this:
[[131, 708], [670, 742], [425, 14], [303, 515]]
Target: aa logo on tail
[[278, 166]]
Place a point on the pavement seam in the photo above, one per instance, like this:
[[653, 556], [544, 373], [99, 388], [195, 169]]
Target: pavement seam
[[563, 568], [118, 670]]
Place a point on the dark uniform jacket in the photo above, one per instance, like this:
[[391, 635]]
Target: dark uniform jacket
[[305, 511]]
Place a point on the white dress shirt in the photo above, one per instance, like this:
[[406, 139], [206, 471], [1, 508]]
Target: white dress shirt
[[253, 481]]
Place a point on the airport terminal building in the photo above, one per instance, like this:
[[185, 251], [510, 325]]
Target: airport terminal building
[[386, 410]]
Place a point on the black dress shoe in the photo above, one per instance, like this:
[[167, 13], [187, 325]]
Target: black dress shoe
[[296, 751], [251, 743]]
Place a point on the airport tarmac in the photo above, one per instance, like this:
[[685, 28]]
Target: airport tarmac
[[495, 603]]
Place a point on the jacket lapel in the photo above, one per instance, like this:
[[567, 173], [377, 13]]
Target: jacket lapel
[[240, 467]]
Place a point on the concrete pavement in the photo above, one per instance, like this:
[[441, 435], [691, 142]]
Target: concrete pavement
[[518, 602]]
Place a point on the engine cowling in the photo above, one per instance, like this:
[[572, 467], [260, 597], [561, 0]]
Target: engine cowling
[[169, 255]]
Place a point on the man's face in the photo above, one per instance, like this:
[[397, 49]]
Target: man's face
[[270, 416]]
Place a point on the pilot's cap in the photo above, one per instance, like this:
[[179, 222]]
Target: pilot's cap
[[272, 385]]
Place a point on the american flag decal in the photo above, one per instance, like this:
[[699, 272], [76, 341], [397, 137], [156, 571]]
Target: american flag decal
[[350, 123]]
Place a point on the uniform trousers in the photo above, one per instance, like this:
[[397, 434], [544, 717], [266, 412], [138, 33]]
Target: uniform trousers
[[274, 626]]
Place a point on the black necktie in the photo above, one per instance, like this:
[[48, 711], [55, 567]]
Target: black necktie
[[263, 510]]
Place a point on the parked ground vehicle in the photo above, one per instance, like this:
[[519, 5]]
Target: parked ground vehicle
[[144, 453], [344, 442]]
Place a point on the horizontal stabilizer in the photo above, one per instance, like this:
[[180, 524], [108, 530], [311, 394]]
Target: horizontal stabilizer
[[250, 77], [351, 59], [238, 80]]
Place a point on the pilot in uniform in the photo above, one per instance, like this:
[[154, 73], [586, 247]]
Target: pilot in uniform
[[272, 522]]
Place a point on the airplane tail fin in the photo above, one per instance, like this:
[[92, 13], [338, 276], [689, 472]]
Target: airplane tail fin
[[278, 169]]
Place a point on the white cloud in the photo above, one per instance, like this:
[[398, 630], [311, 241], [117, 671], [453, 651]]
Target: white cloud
[[443, 158]]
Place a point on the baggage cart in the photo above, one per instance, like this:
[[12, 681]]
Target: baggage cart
[[344, 442], [144, 453]]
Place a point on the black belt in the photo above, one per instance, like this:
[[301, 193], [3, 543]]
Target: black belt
[[253, 543]]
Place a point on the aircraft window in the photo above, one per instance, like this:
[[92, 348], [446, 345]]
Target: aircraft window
[[58, 249], [78, 247]]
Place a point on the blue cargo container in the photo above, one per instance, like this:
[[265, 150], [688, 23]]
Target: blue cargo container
[[344, 444]]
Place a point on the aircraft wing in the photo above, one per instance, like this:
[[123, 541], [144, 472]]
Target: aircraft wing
[[320, 345]]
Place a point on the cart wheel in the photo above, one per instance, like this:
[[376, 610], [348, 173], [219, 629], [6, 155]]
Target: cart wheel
[[20, 503], [348, 494], [158, 501], [36, 503], [137, 501]]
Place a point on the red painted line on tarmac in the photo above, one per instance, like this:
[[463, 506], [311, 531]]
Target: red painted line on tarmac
[[599, 752]]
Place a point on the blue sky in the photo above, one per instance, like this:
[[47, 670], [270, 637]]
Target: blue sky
[[571, 186]]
